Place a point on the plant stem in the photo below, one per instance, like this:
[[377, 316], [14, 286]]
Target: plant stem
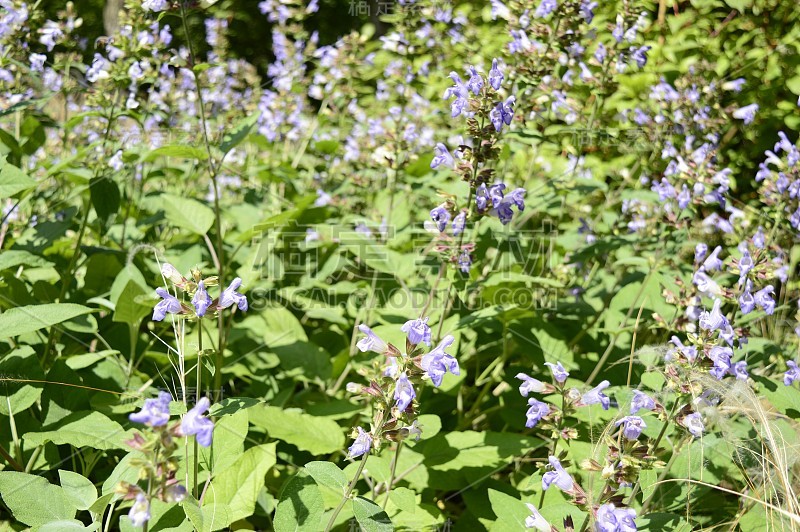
[[347, 493], [197, 397], [392, 474]]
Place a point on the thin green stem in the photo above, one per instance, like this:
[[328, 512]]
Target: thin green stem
[[389, 485], [197, 398], [347, 492]]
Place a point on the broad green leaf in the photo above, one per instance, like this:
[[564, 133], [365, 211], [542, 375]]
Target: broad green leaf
[[328, 475], [34, 501], [17, 396], [127, 309], [509, 510], [13, 180], [65, 525], [300, 506], [79, 489], [370, 516], [237, 487], [230, 433], [307, 433], [83, 429], [233, 138], [187, 213], [178, 151], [22, 320], [13, 258]]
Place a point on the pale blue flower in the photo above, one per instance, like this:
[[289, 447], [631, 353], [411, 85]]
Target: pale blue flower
[[155, 412], [404, 392], [361, 445], [559, 373], [230, 296], [633, 427], [372, 342], [195, 424], [168, 304], [558, 476], [596, 396], [418, 331], [201, 300], [536, 412]]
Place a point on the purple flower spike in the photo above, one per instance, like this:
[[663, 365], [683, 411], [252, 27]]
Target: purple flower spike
[[764, 299], [559, 373], [361, 445], [404, 392], [440, 215], [372, 342], [641, 401], [442, 157], [694, 424], [792, 374], [596, 395], [168, 304], [194, 423], [559, 476], [155, 412], [529, 384], [230, 296], [536, 412], [740, 370], [495, 76], [418, 331], [201, 300], [633, 427], [437, 362]]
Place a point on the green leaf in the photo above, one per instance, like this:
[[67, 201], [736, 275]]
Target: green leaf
[[22, 320], [307, 433], [127, 309], [187, 213], [34, 501], [300, 506], [13, 180], [509, 510], [66, 525], [233, 138], [236, 489], [328, 475], [79, 489], [647, 481], [14, 257], [16, 397], [105, 197], [230, 433], [179, 151], [83, 429], [370, 516]]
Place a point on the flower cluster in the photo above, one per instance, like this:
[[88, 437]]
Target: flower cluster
[[395, 387], [196, 288], [158, 446]]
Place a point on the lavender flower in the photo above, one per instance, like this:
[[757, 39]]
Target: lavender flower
[[168, 304], [442, 157], [139, 513], [721, 357], [711, 321], [230, 296], [155, 412], [713, 262], [465, 261], [461, 93], [440, 215], [529, 384], [559, 373], [596, 395], [475, 83], [535, 520], [612, 519], [437, 362], [633, 427], [641, 401], [195, 424], [700, 251], [689, 352], [403, 392], [559, 476], [495, 76], [372, 342], [639, 55], [155, 5], [459, 222], [746, 113], [361, 445], [694, 424], [201, 300], [740, 370], [418, 331], [545, 8], [536, 412], [792, 374], [746, 301], [764, 299]]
